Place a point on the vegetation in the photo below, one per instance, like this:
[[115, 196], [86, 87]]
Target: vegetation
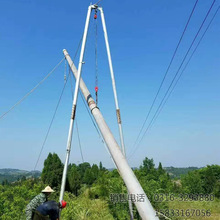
[[93, 192]]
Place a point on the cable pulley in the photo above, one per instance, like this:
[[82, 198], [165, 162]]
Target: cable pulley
[[95, 16]]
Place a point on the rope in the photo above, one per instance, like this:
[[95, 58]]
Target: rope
[[32, 90], [97, 2], [65, 82], [167, 70], [173, 79], [80, 146], [93, 122], [53, 117]]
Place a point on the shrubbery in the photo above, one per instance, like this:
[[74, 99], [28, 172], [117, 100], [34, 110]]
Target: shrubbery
[[89, 189]]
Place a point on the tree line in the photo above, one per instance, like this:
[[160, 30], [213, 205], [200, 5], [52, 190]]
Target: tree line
[[89, 188]]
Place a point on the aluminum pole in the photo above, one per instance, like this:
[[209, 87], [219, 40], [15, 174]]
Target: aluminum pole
[[115, 95], [144, 208], [113, 80], [63, 184]]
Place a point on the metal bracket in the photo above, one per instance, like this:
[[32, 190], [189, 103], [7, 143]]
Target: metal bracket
[[118, 116], [73, 112]]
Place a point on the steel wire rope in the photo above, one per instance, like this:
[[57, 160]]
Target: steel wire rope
[[165, 75], [173, 80], [93, 122], [97, 2], [52, 120], [53, 117], [32, 90]]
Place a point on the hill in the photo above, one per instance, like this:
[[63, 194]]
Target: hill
[[176, 172], [12, 175]]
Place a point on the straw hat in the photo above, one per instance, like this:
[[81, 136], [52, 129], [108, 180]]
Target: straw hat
[[48, 189]]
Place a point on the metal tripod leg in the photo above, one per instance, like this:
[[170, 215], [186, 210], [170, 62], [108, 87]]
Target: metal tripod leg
[[115, 94], [74, 104]]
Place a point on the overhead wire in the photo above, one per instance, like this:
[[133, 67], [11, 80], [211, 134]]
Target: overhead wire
[[165, 75], [32, 90], [188, 61], [153, 118]]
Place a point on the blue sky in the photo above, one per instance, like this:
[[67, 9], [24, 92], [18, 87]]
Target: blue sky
[[142, 37]]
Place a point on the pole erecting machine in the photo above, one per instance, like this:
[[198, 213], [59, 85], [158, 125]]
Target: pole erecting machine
[[144, 207]]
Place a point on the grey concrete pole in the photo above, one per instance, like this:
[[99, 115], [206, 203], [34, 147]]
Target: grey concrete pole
[[144, 207]]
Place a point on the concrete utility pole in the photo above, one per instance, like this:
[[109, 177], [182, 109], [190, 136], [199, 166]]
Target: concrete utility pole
[[144, 207]]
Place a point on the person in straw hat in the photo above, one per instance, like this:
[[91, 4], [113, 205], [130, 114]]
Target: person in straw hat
[[36, 201]]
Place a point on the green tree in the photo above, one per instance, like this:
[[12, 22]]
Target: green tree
[[52, 171], [89, 177], [209, 176], [160, 169], [148, 164], [74, 179], [192, 182], [83, 167]]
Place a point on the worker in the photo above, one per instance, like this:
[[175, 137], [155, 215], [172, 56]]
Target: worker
[[49, 210], [36, 201]]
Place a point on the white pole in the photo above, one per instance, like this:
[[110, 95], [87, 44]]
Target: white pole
[[144, 206], [113, 80], [63, 184], [115, 96]]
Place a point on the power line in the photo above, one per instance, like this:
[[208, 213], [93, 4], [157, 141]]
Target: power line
[[167, 70], [188, 61], [32, 90], [152, 120]]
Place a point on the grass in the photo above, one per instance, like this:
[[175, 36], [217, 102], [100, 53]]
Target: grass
[[213, 208]]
